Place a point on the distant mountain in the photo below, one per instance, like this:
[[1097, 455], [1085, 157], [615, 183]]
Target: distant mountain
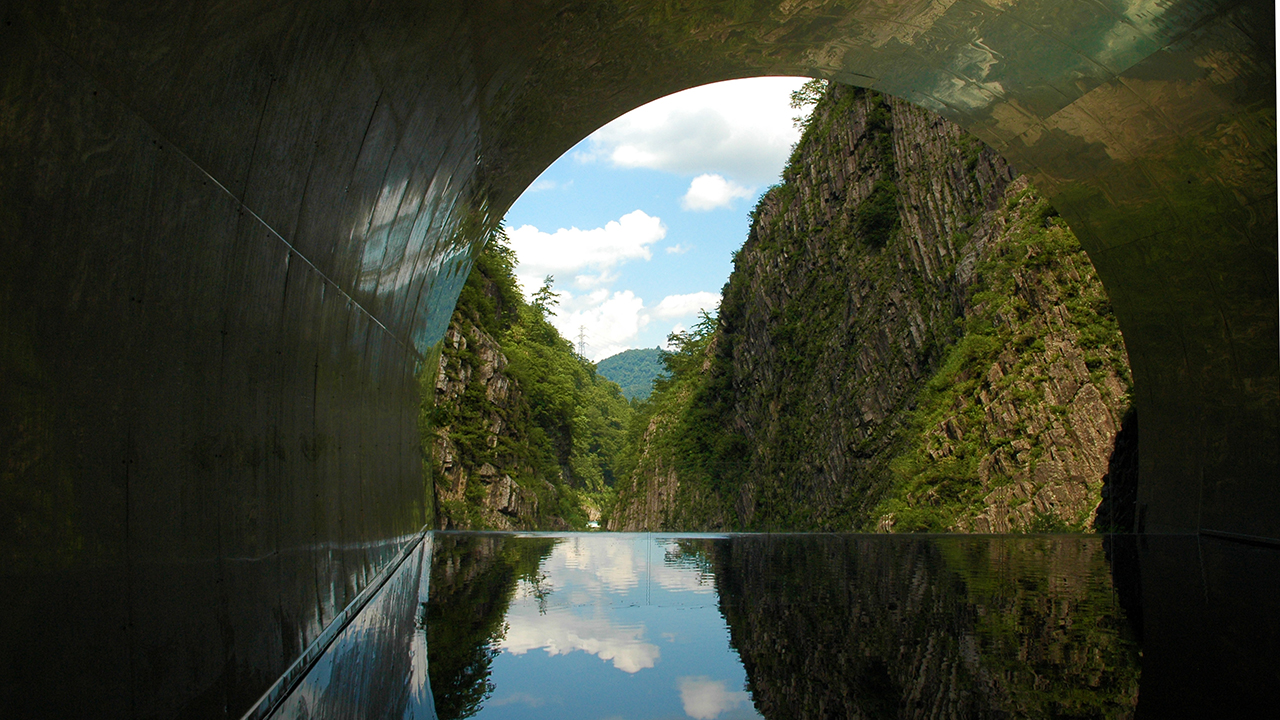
[[634, 370]]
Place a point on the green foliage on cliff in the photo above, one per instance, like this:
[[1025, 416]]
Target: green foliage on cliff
[[936, 474], [557, 430], [491, 296], [678, 429], [708, 452], [634, 370], [877, 217], [840, 386], [577, 416]]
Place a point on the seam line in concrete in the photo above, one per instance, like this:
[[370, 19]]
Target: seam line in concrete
[[176, 149]]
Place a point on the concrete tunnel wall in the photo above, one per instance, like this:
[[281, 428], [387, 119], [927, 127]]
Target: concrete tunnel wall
[[231, 231]]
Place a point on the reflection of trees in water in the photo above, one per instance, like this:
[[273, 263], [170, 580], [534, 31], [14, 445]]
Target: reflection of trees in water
[[836, 627], [473, 578], [692, 554]]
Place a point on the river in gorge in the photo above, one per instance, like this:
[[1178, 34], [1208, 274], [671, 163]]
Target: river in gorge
[[726, 627]]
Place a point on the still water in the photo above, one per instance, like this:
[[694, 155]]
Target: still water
[[651, 626], [581, 626], [617, 626]]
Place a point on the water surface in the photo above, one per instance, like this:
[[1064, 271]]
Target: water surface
[[778, 626], [615, 626]]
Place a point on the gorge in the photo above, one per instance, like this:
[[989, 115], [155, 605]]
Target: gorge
[[910, 340]]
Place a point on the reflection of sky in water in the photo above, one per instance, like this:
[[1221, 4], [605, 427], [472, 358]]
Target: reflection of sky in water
[[622, 627]]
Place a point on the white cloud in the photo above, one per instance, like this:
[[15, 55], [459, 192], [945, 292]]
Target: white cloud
[[591, 281], [572, 250], [611, 321], [742, 128], [562, 634], [708, 192], [674, 306], [705, 699], [678, 249], [581, 580], [605, 567]]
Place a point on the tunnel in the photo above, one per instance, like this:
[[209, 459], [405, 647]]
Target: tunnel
[[233, 230]]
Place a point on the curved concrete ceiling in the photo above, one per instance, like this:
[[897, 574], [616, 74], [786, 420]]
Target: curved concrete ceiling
[[231, 230]]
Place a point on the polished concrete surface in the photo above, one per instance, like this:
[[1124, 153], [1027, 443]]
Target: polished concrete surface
[[231, 229]]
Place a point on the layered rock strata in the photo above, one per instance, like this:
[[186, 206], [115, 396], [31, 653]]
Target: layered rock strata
[[894, 244]]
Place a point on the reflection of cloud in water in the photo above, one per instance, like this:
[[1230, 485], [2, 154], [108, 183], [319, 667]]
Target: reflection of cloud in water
[[589, 574], [608, 566], [562, 633], [706, 699]]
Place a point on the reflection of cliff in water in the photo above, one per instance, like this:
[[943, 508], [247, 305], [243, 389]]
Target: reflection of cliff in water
[[858, 627], [473, 578]]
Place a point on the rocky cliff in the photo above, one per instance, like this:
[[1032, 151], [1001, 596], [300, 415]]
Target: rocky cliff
[[910, 340], [1019, 424], [472, 383], [519, 433]]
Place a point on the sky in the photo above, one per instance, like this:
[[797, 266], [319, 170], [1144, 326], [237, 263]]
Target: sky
[[638, 222]]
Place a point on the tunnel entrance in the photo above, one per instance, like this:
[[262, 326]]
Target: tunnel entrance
[[210, 427]]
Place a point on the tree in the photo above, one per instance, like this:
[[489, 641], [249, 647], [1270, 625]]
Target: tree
[[546, 297], [805, 98]]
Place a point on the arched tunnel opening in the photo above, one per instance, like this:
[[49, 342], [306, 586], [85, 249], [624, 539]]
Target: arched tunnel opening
[[231, 232], [891, 250]]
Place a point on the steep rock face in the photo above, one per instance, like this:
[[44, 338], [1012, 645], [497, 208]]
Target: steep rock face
[[472, 362], [519, 431], [651, 497], [885, 246], [835, 316], [655, 489], [1018, 425]]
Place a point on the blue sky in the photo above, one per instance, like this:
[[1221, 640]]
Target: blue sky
[[637, 223]]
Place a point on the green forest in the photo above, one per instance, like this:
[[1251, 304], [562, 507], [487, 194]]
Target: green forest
[[506, 396], [634, 371]]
